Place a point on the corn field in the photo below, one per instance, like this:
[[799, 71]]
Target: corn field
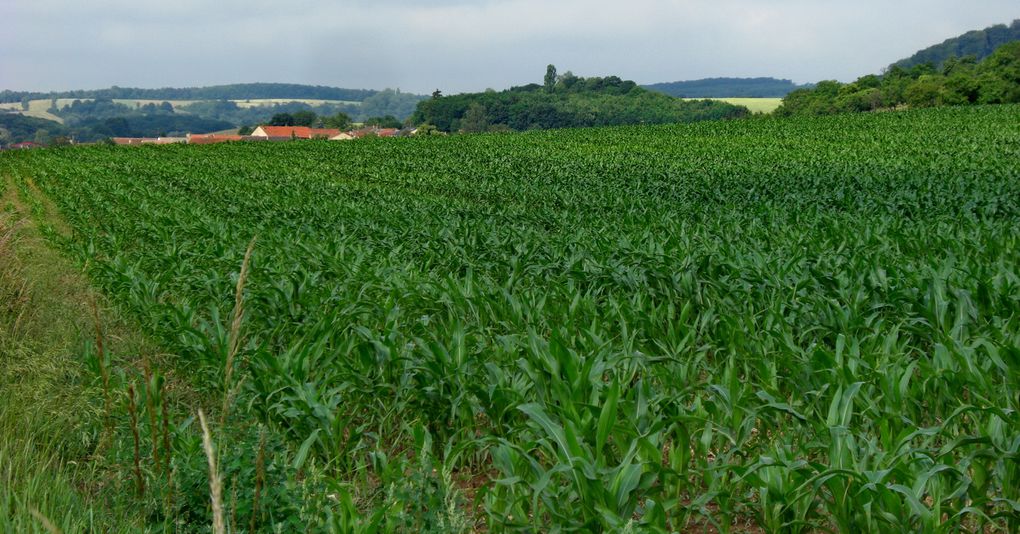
[[804, 325]]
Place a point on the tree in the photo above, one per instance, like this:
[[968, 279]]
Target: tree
[[925, 92], [474, 120], [437, 94], [389, 121], [245, 130], [340, 121], [305, 118], [5, 137], [550, 78], [42, 136], [427, 130], [282, 119], [567, 80]]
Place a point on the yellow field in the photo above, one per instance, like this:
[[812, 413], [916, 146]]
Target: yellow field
[[756, 105], [37, 108]]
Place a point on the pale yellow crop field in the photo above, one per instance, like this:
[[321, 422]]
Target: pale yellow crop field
[[37, 108], [756, 105]]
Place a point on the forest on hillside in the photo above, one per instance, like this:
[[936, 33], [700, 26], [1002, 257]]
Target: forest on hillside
[[238, 91], [959, 81], [727, 88], [979, 44], [565, 101]]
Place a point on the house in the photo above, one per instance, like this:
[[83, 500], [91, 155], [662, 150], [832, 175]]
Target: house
[[25, 145], [294, 132]]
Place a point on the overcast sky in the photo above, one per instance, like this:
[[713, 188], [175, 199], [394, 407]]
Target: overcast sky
[[461, 45]]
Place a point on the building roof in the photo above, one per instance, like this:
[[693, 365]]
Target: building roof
[[208, 139], [26, 144], [371, 130], [299, 132], [133, 140]]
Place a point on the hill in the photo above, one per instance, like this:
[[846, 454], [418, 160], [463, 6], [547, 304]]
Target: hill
[[15, 128], [239, 91], [978, 43], [727, 88], [994, 80], [566, 101]]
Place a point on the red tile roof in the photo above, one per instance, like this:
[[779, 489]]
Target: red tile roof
[[378, 132], [299, 132]]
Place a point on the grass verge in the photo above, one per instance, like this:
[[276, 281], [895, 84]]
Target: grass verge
[[54, 472]]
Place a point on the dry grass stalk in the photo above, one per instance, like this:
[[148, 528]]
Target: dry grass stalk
[[167, 454], [234, 342], [151, 390], [104, 373], [134, 433], [165, 431], [260, 478], [46, 523], [215, 485]]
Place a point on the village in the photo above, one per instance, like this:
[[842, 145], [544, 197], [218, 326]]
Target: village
[[261, 133], [270, 133]]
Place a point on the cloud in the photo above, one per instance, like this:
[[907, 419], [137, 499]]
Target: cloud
[[461, 45]]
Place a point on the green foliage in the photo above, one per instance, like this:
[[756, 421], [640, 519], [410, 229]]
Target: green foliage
[[304, 118], [569, 103], [340, 121], [23, 128], [960, 81], [388, 102], [389, 121], [810, 324], [550, 78], [474, 120], [978, 44]]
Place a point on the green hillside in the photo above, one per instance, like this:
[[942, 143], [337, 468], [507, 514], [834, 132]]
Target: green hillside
[[979, 44], [240, 91], [566, 101], [727, 88]]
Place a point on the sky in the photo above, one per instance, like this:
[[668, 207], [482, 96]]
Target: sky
[[461, 45]]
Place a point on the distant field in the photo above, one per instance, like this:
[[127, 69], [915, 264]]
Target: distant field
[[756, 105], [37, 108]]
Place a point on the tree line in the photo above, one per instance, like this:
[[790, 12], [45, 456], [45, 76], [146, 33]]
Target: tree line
[[727, 88], [958, 81], [979, 44], [239, 91]]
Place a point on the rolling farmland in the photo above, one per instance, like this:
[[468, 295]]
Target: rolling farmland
[[39, 108], [781, 325]]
